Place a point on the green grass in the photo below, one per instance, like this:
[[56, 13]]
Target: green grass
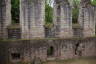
[[87, 60]]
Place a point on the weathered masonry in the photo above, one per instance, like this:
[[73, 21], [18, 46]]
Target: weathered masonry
[[87, 18], [32, 17], [5, 17], [62, 45], [32, 14], [62, 19], [12, 52]]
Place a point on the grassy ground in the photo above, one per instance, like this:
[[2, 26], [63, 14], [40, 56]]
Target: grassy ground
[[73, 61]]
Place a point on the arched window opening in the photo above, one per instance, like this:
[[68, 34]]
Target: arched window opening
[[15, 11], [48, 12], [50, 51], [75, 11]]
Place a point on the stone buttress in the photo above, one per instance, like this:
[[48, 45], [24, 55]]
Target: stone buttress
[[32, 18], [62, 19], [87, 18], [5, 17]]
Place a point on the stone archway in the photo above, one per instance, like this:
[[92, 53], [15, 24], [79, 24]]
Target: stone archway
[[50, 51]]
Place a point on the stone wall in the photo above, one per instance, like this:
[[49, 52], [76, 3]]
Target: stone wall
[[62, 19], [32, 17], [14, 33], [87, 18], [32, 13], [77, 30], [5, 17], [28, 50]]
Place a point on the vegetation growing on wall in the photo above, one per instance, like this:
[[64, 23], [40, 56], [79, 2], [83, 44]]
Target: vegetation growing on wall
[[75, 11], [48, 13]]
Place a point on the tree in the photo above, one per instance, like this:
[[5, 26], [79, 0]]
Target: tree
[[94, 2], [48, 12]]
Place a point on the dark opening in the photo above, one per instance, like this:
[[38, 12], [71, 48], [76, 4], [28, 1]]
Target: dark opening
[[75, 13], [15, 55], [50, 51], [15, 11], [76, 48], [77, 51]]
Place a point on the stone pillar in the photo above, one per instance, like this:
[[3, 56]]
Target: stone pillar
[[87, 18], [5, 17], [32, 16], [62, 19]]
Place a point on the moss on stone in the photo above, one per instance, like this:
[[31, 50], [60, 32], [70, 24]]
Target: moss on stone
[[45, 39], [76, 25], [14, 26]]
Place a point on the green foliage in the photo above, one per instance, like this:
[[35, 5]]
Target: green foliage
[[48, 14], [15, 11], [94, 2], [75, 11]]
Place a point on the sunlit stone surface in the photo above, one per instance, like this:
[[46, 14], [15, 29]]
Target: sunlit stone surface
[[87, 18], [5, 17], [32, 13], [62, 19]]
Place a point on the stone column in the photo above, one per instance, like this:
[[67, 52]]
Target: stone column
[[5, 17], [87, 18], [32, 16], [62, 19]]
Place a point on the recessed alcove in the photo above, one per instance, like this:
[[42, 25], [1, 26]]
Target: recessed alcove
[[50, 51], [15, 56]]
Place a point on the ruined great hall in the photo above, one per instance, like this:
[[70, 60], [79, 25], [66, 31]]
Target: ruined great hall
[[62, 34], [32, 20]]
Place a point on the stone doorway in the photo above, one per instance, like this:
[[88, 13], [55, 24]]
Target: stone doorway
[[50, 51]]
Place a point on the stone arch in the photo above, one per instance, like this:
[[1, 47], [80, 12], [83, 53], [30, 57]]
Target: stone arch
[[50, 51]]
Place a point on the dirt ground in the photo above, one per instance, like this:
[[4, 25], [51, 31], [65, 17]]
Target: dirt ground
[[73, 61]]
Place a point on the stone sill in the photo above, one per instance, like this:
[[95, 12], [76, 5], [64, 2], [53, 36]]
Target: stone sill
[[46, 39]]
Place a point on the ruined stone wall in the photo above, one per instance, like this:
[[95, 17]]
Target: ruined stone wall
[[14, 33], [32, 15], [87, 18], [33, 49], [5, 17], [62, 19]]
